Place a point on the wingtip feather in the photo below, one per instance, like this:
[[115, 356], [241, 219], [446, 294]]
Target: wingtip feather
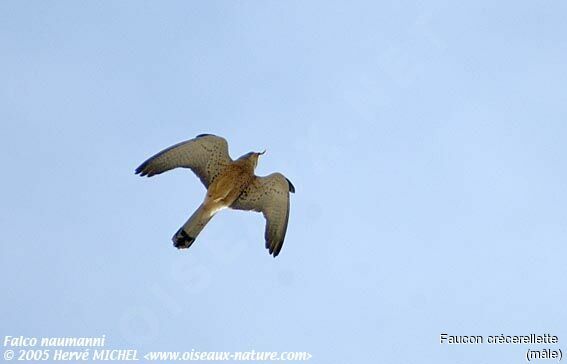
[[291, 186]]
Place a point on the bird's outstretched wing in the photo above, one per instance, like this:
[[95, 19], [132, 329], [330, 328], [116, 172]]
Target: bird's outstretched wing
[[206, 155], [269, 195]]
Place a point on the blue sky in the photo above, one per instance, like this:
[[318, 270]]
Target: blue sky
[[426, 142]]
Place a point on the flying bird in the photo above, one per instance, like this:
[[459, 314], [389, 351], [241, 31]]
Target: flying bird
[[229, 183]]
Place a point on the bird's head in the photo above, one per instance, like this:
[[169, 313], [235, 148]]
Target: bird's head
[[252, 158]]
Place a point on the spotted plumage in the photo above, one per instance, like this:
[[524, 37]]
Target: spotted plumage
[[230, 183]]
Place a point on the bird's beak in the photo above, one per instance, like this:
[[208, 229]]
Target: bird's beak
[[262, 152]]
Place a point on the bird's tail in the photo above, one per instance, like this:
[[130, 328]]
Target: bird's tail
[[187, 234]]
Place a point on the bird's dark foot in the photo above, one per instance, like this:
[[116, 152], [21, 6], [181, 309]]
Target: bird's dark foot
[[182, 240]]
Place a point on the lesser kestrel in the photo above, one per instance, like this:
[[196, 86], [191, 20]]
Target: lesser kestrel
[[229, 183]]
